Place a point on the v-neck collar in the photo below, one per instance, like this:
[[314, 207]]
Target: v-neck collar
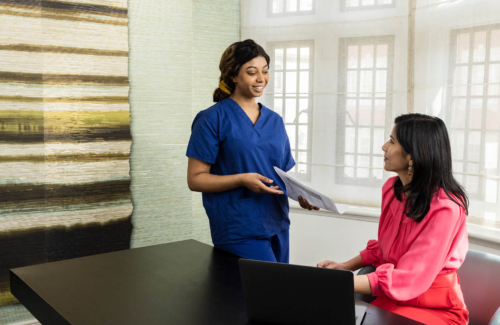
[[260, 120]]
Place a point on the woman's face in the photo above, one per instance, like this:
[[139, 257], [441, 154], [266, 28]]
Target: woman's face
[[395, 158], [252, 78]]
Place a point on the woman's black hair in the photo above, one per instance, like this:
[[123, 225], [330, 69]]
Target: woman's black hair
[[426, 139], [231, 61]]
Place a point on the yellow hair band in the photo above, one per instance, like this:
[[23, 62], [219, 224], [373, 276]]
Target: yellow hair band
[[224, 87]]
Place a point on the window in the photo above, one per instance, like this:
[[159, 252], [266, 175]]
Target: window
[[291, 97], [473, 117], [281, 8], [354, 5], [364, 108]]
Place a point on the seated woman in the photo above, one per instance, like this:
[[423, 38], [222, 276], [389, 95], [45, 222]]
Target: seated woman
[[422, 237]]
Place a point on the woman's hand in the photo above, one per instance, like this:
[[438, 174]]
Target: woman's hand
[[255, 182], [305, 205], [332, 265]]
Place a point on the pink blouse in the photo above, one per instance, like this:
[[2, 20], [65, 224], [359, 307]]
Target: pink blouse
[[409, 255]]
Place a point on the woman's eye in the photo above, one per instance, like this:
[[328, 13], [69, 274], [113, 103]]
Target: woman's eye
[[266, 72], [251, 73]]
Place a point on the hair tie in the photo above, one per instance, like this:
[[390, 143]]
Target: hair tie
[[224, 87]]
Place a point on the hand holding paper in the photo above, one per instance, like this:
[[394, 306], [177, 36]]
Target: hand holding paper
[[304, 204], [294, 188]]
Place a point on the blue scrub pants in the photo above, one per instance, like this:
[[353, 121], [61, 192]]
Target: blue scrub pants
[[273, 249]]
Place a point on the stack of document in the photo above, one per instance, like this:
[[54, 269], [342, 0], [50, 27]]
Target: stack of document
[[294, 188]]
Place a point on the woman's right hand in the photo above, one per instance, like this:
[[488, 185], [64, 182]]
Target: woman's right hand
[[255, 182], [332, 265]]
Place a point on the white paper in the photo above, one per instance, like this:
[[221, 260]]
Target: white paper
[[294, 188]]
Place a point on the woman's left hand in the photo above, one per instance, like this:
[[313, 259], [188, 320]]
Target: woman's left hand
[[305, 205]]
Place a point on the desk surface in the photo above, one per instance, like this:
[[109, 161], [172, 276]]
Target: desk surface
[[177, 283]]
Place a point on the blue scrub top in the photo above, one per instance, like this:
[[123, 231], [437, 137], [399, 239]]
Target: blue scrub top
[[224, 136]]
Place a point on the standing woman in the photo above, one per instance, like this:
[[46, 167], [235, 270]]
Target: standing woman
[[422, 236], [233, 147]]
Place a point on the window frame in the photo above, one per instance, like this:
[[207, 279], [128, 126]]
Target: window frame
[[344, 43], [344, 8], [270, 97], [272, 14], [480, 195]]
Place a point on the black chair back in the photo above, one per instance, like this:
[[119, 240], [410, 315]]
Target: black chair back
[[480, 282]]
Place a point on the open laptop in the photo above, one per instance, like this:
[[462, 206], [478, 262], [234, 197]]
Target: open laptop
[[292, 294]]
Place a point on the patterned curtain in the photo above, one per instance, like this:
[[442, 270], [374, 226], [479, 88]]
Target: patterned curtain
[[64, 132]]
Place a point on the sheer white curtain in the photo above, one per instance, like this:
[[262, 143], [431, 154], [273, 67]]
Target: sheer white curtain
[[342, 71]]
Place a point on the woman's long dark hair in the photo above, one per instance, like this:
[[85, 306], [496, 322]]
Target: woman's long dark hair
[[236, 55], [426, 139]]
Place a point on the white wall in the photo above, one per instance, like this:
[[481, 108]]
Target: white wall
[[315, 238]]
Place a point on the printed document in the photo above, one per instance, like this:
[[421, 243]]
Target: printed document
[[294, 188]]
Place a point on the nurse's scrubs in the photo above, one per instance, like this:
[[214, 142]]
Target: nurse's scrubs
[[245, 223]]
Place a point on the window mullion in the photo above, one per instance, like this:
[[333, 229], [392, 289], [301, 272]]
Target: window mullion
[[467, 106], [482, 162], [356, 125], [296, 122], [372, 119]]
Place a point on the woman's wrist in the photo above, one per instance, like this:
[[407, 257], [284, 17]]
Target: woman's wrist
[[353, 264], [346, 266], [240, 180]]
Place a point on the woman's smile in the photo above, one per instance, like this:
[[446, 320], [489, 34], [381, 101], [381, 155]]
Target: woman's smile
[[258, 89]]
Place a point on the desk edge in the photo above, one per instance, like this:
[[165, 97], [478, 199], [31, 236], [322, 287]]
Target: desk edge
[[35, 304]]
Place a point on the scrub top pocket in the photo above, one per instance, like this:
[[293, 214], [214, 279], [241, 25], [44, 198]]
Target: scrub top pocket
[[244, 219]]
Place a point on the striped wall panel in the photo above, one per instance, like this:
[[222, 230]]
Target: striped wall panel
[[64, 132]]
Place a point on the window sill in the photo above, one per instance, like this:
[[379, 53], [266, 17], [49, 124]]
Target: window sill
[[479, 235]]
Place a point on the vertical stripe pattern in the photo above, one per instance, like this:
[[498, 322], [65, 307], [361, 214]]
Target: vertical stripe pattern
[[64, 132]]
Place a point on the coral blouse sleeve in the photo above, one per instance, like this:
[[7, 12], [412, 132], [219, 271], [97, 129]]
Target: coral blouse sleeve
[[371, 255], [439, 234]]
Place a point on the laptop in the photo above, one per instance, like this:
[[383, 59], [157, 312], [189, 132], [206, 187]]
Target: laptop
[[288, 294]]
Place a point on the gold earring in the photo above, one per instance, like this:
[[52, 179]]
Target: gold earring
[[410, 170]]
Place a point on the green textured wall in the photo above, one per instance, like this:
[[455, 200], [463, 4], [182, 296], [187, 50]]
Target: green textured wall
[[175, 48], [216, 25]]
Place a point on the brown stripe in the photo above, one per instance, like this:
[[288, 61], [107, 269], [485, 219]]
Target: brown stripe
[[93, 100], [108, 134], [63, 17], [107, 190], [43, 11], [80, 7], [68, 12], [94, 8], [60, 49], [87, 157], [62, 79]]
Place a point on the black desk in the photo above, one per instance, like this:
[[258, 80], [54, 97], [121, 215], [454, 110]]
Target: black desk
[[178, 283]]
